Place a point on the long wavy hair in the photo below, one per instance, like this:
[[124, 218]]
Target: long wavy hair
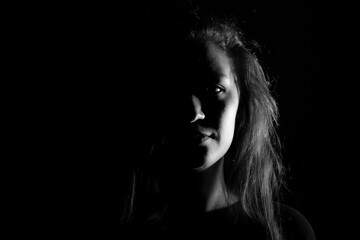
[[252, 166]]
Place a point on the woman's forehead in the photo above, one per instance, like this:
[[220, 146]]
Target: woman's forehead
[[218, 59], [201, 60]]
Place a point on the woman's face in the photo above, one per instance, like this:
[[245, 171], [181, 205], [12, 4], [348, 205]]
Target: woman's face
[[208, 107]]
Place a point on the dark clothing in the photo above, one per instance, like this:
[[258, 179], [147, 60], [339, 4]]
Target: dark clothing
[[294, 225], [219, 225]]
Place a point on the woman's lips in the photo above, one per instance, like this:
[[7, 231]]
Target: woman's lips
[[199, 137], [197, 134]]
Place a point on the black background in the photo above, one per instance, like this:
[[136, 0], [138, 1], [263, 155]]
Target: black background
[[98, 121]]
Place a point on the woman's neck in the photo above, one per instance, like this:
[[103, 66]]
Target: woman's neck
[[209, 187], [204, 190]]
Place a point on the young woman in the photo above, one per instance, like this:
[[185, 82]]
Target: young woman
[[214, 169]]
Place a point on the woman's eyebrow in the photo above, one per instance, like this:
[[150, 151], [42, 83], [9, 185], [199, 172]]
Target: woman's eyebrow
[[217, 74]]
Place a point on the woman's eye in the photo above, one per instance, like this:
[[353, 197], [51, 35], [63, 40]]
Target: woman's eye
[[215, 90]]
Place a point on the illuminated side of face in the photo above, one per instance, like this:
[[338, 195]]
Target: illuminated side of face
[[212, 108]]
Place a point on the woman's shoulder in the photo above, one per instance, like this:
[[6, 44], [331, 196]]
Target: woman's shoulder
[[294, 224]]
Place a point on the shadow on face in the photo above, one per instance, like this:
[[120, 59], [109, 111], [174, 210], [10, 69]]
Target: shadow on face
[[200, 101]]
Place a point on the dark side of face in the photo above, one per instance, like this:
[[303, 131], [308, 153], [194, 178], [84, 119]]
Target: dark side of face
[[204, 102]]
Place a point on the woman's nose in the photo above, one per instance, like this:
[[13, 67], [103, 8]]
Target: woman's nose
[[197, 113]]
